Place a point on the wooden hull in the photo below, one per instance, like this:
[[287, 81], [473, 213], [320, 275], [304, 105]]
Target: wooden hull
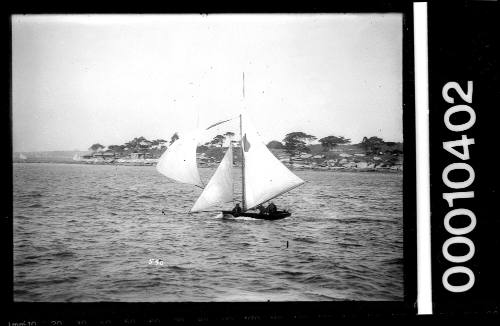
[[276, 216]]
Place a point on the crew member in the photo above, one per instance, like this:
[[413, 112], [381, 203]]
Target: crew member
[[271, 208], [236, 210]]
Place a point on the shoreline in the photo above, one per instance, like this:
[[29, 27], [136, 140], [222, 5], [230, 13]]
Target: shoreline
[[148, 164]]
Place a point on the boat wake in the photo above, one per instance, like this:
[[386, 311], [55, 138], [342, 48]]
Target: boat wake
[[239, 218]]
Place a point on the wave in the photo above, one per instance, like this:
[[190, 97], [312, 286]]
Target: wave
[[290, 273], [64, 254], [178, 268], [25, 263], [318, 279], [33, 194], [36, 206], [90, 197], [306, 240], [46, 281], [395, 261], [362, 220]]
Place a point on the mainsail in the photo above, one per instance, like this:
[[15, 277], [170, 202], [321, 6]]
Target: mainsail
[[219, 189], [179, 160], [265, 176]]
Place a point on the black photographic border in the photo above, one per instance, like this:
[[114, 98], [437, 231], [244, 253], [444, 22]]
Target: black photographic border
[[155, 313], [463, 46]]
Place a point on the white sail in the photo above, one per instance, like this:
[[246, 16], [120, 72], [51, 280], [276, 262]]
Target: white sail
[[265, 176], [179, 160], [22, 157], [219, 189], [76, 157]]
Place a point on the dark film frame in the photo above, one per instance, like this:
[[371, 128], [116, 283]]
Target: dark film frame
[[464, 47], [155, 313]]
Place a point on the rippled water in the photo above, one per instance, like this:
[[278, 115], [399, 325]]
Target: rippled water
[[88, 232]]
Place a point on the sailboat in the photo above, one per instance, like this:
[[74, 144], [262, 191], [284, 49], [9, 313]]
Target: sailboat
[[22, 156], [264, 177]]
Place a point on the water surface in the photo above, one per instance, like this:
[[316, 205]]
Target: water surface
[[93, 232]]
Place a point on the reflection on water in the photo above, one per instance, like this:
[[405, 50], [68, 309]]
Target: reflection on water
[[92, 233]]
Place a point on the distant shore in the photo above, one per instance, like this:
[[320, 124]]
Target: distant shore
[[388, 158], [146, 164]]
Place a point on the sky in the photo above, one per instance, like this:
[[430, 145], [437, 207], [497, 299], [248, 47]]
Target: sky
[[84, 79]]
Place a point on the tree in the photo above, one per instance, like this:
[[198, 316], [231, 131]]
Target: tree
[[96, 147], [138, 144], [157, 142], [229, 134], [144, 144], [332, 141], [372, 144], [116, 148], [174, 137], [295, 142], [218, 140], [275, 144]]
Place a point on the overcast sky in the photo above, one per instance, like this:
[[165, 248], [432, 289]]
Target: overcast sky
[[83, 79]]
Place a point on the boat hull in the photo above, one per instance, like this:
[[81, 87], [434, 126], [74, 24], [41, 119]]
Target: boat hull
[[271, 217]]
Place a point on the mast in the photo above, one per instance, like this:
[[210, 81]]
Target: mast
[[243, 201]]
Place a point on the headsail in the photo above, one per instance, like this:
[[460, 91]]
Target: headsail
[[265, 176], [179, 160], [219, 189]]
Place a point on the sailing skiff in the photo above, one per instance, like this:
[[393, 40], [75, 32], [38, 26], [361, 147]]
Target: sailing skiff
[[264, 177]]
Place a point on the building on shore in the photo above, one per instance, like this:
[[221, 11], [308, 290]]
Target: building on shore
[[137, 156]]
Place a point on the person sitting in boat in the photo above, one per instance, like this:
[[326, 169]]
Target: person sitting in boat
[[271, 208], [262, 209], [237, 209]]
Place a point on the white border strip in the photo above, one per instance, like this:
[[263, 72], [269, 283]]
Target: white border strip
[[424, 283]]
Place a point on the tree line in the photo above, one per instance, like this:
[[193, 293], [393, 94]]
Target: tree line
[[137, 144], [294, 142], [297, 142]]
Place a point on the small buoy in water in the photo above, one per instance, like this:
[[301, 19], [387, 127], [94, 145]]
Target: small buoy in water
[[287, 244], [163, 211]]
